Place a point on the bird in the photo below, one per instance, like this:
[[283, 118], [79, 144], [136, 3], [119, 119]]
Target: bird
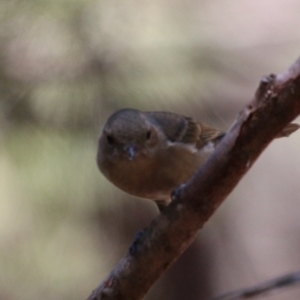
[[148, 154]]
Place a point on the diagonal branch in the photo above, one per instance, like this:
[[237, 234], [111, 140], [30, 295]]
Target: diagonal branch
[[275, 104]]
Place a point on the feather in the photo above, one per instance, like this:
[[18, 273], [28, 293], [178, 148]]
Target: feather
[[288, 130], [185, 130]]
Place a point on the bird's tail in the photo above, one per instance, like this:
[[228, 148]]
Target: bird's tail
[[288, 130]]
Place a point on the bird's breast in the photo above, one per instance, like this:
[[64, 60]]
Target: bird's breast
[[154, 176]]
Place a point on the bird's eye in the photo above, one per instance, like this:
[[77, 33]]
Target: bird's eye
[[148, 135], [110, 139]]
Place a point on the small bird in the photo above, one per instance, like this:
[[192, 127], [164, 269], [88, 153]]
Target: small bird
[[149, 154]]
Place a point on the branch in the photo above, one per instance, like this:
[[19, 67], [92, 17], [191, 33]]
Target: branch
[[275, 104], [263, 288]]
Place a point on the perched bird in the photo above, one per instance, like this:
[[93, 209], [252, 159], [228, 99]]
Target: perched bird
[[149, 154]]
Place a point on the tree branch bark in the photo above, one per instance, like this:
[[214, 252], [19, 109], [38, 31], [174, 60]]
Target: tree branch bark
[[276, 103]]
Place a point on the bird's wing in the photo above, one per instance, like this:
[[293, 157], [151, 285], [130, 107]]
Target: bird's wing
[[183, 129]]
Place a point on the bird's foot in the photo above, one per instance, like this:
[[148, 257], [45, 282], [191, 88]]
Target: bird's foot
[[162, 205], [176, 193]]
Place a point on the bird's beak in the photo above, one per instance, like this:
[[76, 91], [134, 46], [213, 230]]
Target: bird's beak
[[130, 151]]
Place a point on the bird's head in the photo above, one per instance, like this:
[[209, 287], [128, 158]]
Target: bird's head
[[128, 134]]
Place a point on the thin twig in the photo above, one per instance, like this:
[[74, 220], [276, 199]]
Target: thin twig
[[263, 288]]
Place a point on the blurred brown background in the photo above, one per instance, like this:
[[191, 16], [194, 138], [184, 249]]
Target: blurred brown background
[[65, 66]]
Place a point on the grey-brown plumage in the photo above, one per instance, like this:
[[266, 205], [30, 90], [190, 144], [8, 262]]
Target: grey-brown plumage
[[149, 154]]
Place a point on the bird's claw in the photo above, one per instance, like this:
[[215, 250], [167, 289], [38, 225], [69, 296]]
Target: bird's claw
[[176, 193]]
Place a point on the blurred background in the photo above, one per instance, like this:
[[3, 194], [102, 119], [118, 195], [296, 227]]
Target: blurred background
[[65, 66]]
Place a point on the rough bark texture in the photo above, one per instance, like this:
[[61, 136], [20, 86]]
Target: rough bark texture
[[275, 104]]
